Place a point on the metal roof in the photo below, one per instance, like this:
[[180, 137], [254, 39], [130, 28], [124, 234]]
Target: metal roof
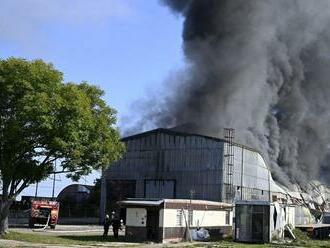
[[181, 133], [146, 202], [170, 132], [253, 202], [201, 202], [142, 203]]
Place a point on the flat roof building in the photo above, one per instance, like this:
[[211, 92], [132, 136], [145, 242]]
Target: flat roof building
[[168, 220]]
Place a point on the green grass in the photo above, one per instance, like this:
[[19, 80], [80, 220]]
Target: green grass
[[62, 240], [302, 241], [37, 238]]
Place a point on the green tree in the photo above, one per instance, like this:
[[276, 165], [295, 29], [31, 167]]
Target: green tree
[[43, 119]]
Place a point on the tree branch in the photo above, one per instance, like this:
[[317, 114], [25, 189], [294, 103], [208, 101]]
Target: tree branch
[[13, 186], [66, 171], [20, 189], [47, 160]]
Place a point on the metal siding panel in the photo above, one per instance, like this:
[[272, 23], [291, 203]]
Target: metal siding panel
[[196, 163], [159, 189], [139, 189]]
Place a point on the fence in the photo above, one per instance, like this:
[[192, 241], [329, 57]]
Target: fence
[[68, 215], [77, 211]]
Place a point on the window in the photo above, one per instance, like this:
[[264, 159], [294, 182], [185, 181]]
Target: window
[[179, 217], [227, 217]]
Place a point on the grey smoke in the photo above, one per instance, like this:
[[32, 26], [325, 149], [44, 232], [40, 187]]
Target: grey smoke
[[263, 68]]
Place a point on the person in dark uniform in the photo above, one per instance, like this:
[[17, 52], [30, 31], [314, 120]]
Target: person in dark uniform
[[116, 225], [106, 225]]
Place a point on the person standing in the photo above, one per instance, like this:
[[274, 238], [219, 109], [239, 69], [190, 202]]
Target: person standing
[[106, 225], [116, 225]]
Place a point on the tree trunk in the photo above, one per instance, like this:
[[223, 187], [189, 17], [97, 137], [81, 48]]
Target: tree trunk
[[4, 213]]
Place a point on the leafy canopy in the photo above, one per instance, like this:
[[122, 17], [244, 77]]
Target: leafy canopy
[[43, 119]]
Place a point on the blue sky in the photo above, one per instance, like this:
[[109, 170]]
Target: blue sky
[[127, 47]]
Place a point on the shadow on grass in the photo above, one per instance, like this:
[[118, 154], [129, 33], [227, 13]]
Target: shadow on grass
[[95, 238]]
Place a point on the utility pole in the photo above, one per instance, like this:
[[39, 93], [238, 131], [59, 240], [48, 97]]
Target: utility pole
[[54, 182], [190, 211], [36, 194]]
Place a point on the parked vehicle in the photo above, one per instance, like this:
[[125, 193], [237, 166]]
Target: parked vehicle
[[44, 212]]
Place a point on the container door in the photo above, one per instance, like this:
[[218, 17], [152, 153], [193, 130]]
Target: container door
[[257, 227]]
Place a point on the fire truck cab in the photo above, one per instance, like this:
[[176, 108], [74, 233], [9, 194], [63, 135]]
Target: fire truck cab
[[43, 212]]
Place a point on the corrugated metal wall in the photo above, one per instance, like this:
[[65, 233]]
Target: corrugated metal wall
[[194, 162], [254, 185], [159, 189]]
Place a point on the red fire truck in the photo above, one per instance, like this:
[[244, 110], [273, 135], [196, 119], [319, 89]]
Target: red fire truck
[[43, 211]]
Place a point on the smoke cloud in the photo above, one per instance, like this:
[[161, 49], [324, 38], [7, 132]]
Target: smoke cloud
[[263, 68]]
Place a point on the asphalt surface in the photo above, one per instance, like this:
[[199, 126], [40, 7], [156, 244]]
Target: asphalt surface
[[62, 230]]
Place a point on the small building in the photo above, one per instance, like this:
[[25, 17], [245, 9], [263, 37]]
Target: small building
[[261, 221], [170, 219]]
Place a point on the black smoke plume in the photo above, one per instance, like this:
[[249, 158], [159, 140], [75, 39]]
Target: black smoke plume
[[263, 68]]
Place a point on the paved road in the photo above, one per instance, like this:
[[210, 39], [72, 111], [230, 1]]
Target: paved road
[[64, 230]]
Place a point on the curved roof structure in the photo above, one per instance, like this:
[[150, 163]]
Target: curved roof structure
[[73, 190]]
